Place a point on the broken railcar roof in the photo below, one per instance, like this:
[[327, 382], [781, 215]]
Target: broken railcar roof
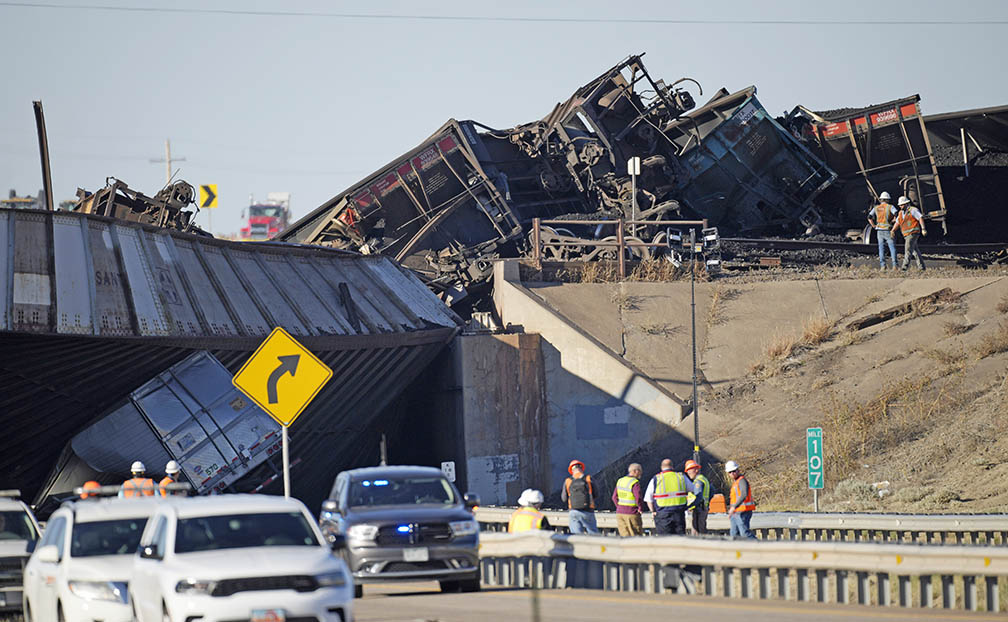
[[80, 274], [842, 114]]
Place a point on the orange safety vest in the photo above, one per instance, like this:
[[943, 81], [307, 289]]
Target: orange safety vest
[[591, 496], [164, 492], [138, 486], [882, 213], [908, 224], [747, 504], [525, 519]]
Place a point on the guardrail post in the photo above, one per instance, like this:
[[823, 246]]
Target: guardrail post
[[842, 587], [746, 582], [926, 593], [537, 242], [764, 583], [903, 583], [822, 589], [863, 597], [727, 582], [784, 583], [993, 598], [708, 581], [884, 590], [620, 247], [948, 592], [969, 593], [804, 586]]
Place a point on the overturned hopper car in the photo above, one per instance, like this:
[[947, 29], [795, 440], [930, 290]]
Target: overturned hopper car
[[874, 149]]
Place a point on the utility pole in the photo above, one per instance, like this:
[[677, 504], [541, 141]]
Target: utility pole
[[168, 160], [696, 407]]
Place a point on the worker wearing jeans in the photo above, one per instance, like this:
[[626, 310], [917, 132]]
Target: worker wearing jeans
[[910, 222], [880, 218], [742, 506]]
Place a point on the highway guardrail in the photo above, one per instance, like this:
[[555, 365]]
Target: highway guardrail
[[907, 575], [973, 529]]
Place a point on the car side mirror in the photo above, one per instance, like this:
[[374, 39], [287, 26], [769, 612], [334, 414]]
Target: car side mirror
[[30, 547], [150, 552], [48, 554], [471, 499], [337, 541]]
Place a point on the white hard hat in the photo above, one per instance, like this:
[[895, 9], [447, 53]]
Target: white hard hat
[[530, 497], [730, 466], [884, 196], [172, 467], [138, 467], [903, 201]]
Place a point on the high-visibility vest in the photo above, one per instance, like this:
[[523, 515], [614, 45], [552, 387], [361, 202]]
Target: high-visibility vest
[[624, 491], [138, 486], [525, 519], [670, 489], [882, 213], [164, 491], [747, 504], [908, 224], [591, 495], [706, 492]]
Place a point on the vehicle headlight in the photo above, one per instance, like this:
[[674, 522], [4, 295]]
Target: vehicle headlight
[[99, 590], [331, 579], [463, 527], [195, 586], [363, 532]]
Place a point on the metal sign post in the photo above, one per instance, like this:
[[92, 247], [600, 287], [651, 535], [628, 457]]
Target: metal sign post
[[633, 170], [696, 407], [814, 451], [282, 377]]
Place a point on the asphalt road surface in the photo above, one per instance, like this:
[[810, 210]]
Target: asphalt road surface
[[422, 602]]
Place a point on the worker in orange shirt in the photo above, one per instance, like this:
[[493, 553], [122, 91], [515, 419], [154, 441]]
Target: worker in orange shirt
[[171, 477], [138, 485]]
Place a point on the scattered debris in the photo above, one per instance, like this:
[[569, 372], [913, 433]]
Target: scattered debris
[[942, 295], [168, 208]]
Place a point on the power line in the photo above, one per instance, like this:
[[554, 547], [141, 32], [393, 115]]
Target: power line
[[512, 19]]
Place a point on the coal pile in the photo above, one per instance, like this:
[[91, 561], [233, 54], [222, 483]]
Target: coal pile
[[978, 204]]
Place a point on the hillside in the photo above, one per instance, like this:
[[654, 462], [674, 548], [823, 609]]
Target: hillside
[[915, 405]]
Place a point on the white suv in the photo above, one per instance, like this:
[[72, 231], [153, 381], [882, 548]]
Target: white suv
[[237, 557], [81, 567], [19, 531]]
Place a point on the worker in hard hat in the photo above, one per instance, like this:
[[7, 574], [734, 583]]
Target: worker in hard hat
[[528, 516], [579, 494], [881, 218], [89, 485], [171, 477], [910, 222], [138, 485], [629, 502], [742, 506], [697, 503]]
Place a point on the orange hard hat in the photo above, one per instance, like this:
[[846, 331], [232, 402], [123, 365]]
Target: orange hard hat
[[89, 485], [570, 467], [691, 464]]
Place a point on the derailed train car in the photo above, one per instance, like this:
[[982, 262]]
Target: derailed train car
[[468, 194]]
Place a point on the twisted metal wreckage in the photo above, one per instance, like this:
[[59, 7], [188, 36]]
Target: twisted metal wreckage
[[468, 194]]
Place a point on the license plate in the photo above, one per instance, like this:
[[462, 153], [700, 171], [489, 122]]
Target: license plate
[[268, 615], [415, 555]]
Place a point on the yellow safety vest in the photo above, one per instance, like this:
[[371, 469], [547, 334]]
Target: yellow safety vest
[[670, 490], [624, 491], [706, 492], [525, 519]]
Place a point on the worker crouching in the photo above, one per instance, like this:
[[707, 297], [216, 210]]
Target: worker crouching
[[528, 517]]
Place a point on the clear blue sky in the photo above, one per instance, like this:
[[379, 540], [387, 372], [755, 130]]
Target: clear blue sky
[[309, 104]]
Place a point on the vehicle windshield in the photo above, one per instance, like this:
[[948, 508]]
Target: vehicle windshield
[[236, 531], [261, 210], [17, 525], [106, 537], [422, 490]]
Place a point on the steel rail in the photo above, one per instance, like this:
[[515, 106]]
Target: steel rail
[[866, 249]]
